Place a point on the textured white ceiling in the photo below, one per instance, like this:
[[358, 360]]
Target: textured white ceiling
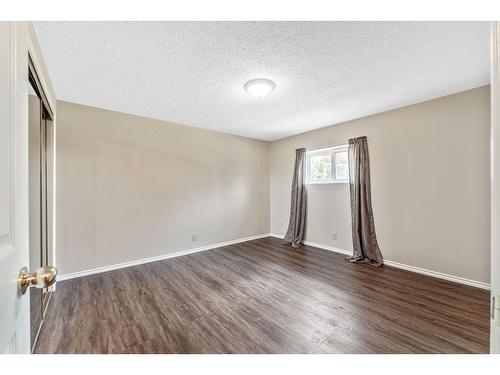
[[193, 73]]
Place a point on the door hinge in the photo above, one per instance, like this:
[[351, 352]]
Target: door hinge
[[495, 309]]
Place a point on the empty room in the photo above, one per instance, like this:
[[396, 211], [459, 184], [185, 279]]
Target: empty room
[[249, 187]]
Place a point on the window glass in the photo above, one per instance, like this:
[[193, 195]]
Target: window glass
[[341, 166], [327, 165], [321, 168]]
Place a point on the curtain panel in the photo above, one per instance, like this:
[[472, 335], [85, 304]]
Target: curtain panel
[[296, 227], [364, 239]]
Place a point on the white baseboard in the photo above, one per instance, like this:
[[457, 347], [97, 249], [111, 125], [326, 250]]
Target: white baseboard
[[423, 271], [439, 275], [156, 258], [330, 248]]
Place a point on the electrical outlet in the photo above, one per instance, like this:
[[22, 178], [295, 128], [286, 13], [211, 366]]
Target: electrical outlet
[[194, 238], [334, 236]]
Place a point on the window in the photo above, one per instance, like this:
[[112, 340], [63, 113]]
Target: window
[[327, 166]]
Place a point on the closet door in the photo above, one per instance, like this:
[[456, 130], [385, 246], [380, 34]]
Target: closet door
[[35, 206], [46, 159], [49, 131]]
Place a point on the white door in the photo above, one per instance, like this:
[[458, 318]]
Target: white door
[[19, 50], [14, 197], [495, 187], [14, 311]]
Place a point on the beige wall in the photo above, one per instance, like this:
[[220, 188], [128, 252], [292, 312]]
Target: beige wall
[[130, 188], [430, 184]]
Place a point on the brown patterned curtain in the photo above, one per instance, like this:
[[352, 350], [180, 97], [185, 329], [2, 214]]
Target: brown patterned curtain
[[363, 228], [296, 226]]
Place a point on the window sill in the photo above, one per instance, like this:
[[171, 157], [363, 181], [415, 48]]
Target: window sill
[[328, 183]]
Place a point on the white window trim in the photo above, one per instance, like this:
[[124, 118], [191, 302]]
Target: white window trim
[[325, 151]]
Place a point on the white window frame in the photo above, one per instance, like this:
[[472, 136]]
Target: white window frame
[[325, 151]]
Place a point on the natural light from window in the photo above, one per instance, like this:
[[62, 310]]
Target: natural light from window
[[327, 165]]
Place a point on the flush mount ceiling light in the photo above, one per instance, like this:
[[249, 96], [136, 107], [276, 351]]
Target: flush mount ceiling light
[[259, 88]]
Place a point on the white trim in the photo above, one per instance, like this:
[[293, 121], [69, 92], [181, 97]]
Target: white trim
[[329, 248], [156, 258], [439, 275], [406, 267], [328, 182], [319, 149], [495, 182]]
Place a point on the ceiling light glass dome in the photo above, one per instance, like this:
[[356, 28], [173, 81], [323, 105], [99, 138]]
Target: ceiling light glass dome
[[260, 87]]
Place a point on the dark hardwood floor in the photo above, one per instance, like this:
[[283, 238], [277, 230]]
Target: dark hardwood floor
[[264, 297]]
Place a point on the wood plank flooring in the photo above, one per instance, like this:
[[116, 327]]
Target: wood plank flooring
[[264, 297]]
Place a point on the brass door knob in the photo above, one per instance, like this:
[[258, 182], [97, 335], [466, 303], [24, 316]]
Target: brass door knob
[[42, 278]]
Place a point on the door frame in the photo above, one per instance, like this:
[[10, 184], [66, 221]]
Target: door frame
[[36, 64], [39, 79], [495, 184], [43, 181]]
